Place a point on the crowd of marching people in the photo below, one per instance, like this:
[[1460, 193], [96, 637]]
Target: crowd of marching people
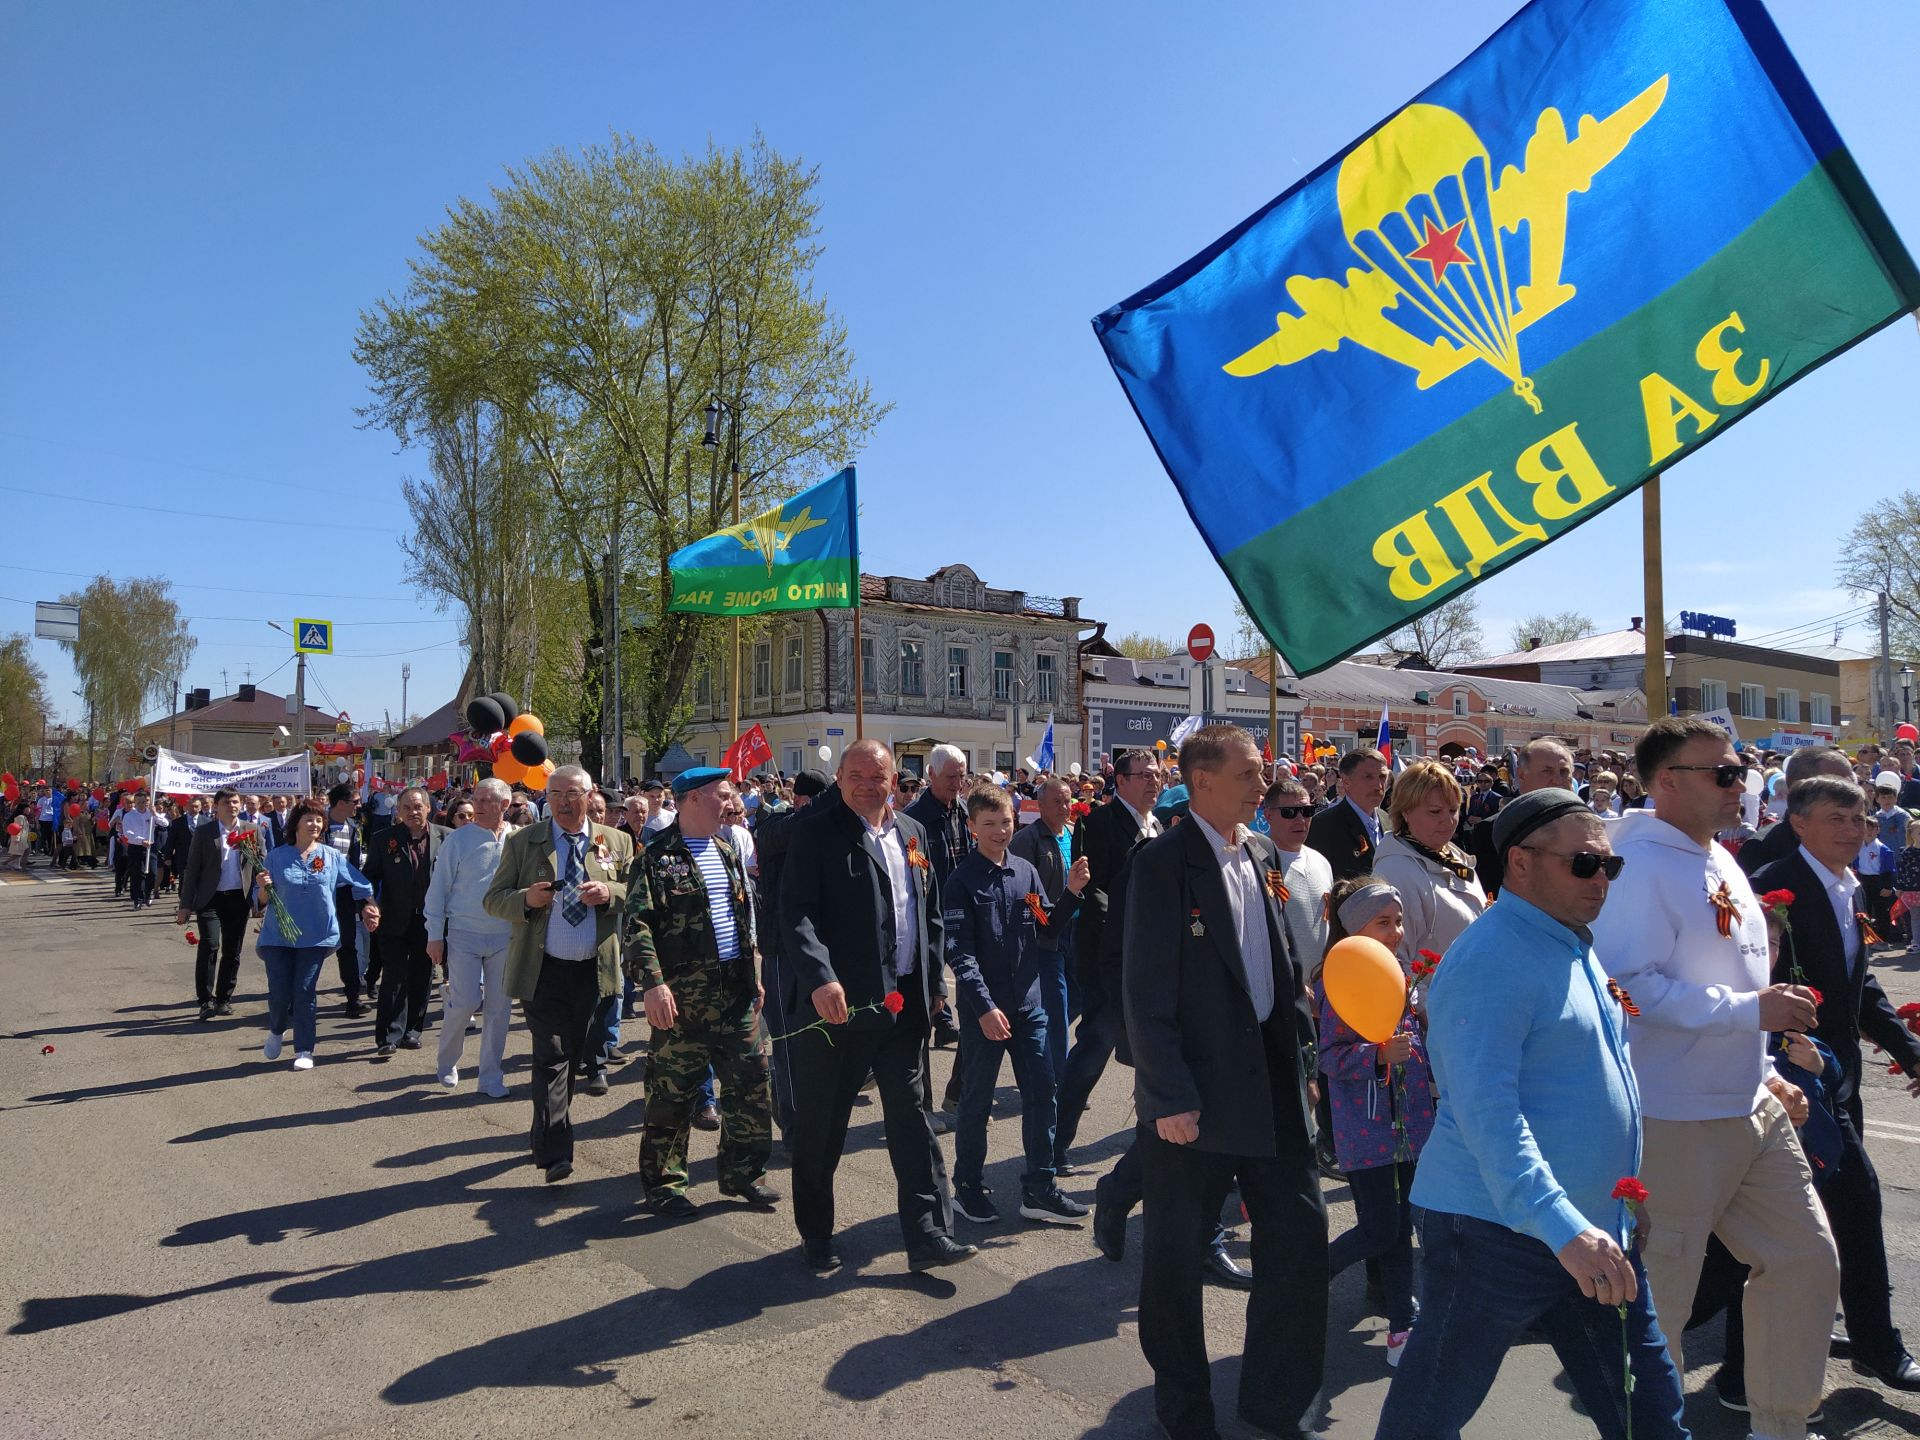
[[1616, 1092]]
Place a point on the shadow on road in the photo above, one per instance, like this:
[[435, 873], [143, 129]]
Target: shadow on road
[[58, 1312]]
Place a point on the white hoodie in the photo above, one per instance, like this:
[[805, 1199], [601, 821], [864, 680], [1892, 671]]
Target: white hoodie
[[1698, 1050]]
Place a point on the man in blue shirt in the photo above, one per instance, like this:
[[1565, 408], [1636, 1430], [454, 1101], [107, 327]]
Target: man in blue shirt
[[1539, 1119]]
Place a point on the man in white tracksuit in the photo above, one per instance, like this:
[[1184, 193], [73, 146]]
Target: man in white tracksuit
[[470, 943], [1686, 940]]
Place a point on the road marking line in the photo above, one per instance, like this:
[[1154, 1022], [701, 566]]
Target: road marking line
[[1903, 1139], [1893, 1125]]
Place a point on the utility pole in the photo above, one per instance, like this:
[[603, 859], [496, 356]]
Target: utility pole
[[1886, 668], [300, 702], [406, 674], [609, 673]]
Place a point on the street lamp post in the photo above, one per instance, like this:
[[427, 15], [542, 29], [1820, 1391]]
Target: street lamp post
[[299, 689], [711, 440], [1906, 693]]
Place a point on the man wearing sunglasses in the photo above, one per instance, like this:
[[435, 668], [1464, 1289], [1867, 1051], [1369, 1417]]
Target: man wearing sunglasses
[[1687, 940], [1537, 1120], [1309, 878]]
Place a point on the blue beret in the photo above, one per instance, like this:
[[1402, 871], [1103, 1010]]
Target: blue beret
[[693, 779]]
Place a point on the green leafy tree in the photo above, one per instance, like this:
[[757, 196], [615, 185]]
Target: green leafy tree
[[134, 645], [1549, 629], [1137, 645], [597, 302], [23, 702]]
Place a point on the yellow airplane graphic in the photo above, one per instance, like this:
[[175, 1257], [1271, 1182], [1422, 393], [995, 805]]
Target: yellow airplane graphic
[[769, 534], [1457, 279]]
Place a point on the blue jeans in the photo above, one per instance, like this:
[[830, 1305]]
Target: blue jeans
[[293, 977], [1053, 999], [1481, 1285], [1032, 1072]]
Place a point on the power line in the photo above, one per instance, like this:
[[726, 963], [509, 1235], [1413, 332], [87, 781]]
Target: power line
[[154, 460], [202, 514], [224, 589]]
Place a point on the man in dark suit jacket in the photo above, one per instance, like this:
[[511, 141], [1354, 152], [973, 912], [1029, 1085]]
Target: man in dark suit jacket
[[1541, 764], [400, 865], [939, 813], [862, 924], [1348, 832], [1780, 842], [1829, 817], [1221, 1029], [773, 841], [1106, 837], [216, 888]]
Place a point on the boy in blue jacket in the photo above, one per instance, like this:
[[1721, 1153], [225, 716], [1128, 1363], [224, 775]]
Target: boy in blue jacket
[[995, 913]]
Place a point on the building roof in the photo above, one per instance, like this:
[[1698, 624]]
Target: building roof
[[1609, 645], [266, 709], [894, 589], [433, 730], [1351, 684]]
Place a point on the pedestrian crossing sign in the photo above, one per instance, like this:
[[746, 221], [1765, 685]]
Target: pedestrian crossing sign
[[313, 637]]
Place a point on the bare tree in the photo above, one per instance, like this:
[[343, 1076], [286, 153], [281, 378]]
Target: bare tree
[[1444, 636], [1882, 553], [1549, 629]]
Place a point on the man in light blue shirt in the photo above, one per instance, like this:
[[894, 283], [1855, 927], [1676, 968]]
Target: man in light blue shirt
[[1539, 1119]]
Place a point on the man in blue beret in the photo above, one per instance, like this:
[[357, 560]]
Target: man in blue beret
[[692, 950]]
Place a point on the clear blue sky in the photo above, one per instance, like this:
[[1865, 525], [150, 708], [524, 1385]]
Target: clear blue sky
[[201, 199]]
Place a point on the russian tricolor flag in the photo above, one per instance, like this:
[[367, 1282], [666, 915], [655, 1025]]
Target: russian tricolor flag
[[1384, 744]]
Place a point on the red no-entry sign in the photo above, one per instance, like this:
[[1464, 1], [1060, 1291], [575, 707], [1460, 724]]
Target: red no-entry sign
[[1200, 643]]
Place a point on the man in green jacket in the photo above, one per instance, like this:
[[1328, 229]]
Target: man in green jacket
[[692, 950]]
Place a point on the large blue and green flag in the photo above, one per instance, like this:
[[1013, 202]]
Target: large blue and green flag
[[1612, 231], [803, 554]]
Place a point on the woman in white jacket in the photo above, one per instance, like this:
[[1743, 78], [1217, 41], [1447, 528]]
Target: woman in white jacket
[[1439, 890]]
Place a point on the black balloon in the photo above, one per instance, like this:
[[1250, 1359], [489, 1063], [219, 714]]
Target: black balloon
[[529, 748], [484, 715], [509, 709]]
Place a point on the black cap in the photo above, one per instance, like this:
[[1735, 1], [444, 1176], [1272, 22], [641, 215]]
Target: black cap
[[810, 783], [1520, 817]]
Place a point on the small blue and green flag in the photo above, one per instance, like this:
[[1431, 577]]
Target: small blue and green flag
[[1615, 229], [803, 554]]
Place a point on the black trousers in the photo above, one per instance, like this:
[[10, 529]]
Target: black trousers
[[406, 979], [347, 910], [1093, 1047], [1286, 1337], [140, 872], [1124, 1186], [774, 1014], [119, 868], [223, 929], [557, 1019], [1852, 1197], [826, 1078]]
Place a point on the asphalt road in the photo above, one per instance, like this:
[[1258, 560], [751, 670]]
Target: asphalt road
[[199, 1243]]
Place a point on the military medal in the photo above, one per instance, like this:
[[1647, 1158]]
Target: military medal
[[1197, 927]]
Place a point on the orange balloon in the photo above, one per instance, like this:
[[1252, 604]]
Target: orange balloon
[[509, 769], [1366, 987], [538, 775], [521, 724]]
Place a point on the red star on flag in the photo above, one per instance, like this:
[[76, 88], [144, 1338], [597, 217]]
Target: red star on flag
[[1441, 249]]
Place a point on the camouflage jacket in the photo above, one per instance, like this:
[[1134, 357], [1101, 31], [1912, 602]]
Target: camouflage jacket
[[668, 930]]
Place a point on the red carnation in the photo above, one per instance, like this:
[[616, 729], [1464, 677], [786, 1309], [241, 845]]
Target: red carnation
[[1818, 998], [1894, 1069], [46, 1049], [1777, 899], [192, 938], [894, 1002], [1908, 1010], [1629, 1189]]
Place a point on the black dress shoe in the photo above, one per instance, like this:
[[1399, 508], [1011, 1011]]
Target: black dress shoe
[[705, 1118], [1220, 1269], [1109, 1229], [206, 1012], [558, 1171], [672, 1205], [225, 1007], [1902, 1374], [597, 1083], [937, 1252], [384, 1051], [355, 1010], [756, 1193], [410, 1040], [821, 1255]]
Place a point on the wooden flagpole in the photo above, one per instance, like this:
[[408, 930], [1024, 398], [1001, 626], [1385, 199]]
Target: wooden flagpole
[[1655, 620], [859, 671]]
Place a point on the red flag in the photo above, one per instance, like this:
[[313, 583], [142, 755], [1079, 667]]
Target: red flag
[[1266, 753], [748, 754]]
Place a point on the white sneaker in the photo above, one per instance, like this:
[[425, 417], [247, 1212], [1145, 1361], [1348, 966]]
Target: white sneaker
[[271, 1050], [303, 1061], [451, 1077], [494, 1090]]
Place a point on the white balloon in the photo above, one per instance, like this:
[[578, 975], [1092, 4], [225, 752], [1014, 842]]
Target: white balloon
[[1074, 769], [1756, 782], [826, 753]]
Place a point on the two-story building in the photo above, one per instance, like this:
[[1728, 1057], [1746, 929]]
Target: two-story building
[[1767, 691], [945, 659], [245, 725]]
